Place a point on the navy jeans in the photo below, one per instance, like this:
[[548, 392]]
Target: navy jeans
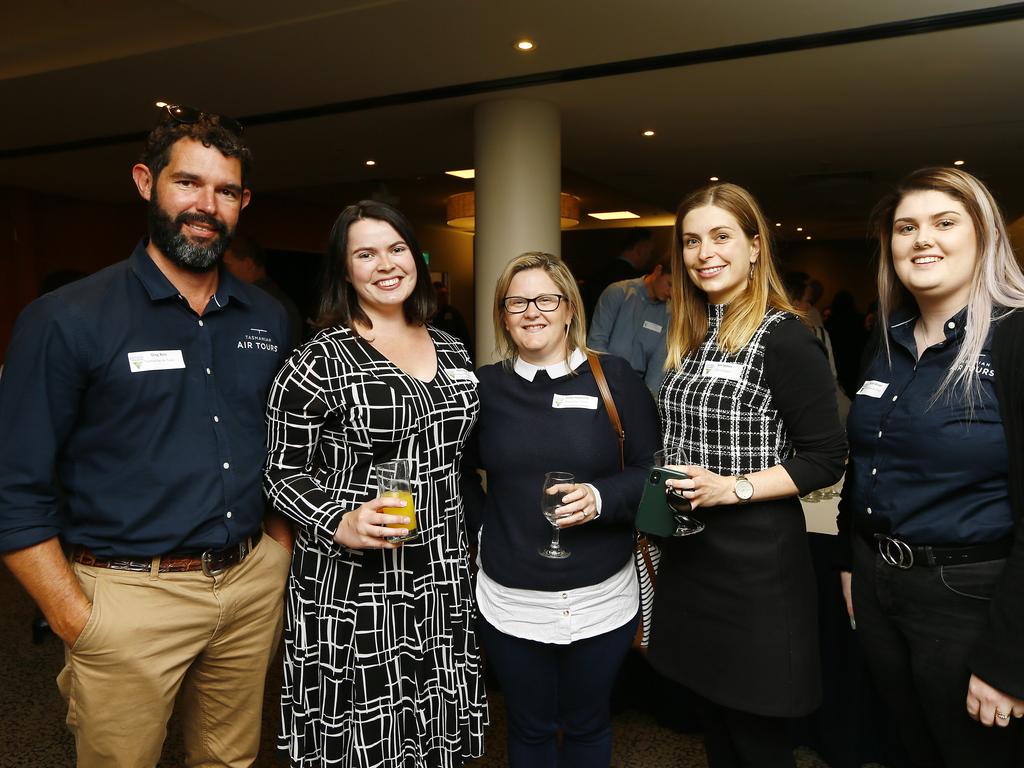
[[916, 627], [550, 688]]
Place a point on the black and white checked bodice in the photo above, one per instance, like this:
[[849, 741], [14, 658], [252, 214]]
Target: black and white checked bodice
[[723, 416]]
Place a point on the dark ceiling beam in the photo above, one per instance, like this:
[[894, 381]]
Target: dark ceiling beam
[[873, 32]]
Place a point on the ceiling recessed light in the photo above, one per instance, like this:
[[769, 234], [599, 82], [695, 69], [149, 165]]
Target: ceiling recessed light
[[610, 215], [713, 178], [161, 104], [467, 173], [648, 133], [808, 237], [371, 162], [799, 229], [778, 223], [525, 45], [958, 162]]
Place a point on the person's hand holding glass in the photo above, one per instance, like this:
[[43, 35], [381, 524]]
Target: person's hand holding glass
[[556, 485], [675, 459], [372, 525]]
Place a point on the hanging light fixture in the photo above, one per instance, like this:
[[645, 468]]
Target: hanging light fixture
[[460, 210]]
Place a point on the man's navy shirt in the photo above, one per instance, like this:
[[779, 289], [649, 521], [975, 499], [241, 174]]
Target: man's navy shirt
[[922, 469], [146, 416]]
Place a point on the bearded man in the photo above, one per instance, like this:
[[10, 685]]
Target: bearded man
[[140, 392]]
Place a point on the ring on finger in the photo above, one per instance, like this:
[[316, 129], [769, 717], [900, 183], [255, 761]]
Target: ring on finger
[[1002, 715]]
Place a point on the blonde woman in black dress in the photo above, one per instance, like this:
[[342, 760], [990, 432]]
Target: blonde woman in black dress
[[749, 399]]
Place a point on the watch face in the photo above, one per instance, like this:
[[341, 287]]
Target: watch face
[[744, 488]]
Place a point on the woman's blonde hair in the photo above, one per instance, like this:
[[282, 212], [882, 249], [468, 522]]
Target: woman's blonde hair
[[556, 269], [997, 284], [744, 314]]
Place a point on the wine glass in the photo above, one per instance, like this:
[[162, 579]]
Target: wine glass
[[550, 504], [679, 504]]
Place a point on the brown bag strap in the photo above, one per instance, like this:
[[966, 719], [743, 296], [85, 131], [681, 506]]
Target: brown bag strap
[[609, 404]]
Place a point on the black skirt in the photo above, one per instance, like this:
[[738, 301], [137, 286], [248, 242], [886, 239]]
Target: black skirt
[[735, 610]]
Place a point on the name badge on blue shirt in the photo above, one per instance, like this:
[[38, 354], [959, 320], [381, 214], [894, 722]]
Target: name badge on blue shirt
[[155, 360], [873, 388]]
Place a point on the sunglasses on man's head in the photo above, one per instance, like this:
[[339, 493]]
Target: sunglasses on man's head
[[179, 113]]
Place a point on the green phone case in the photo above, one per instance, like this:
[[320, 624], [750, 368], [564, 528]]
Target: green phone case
[[654, 515]]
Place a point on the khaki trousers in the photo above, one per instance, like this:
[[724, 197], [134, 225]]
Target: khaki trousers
[[154, 634]]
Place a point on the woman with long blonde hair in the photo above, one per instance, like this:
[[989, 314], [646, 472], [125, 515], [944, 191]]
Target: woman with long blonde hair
[[748, 403], [934, 494]]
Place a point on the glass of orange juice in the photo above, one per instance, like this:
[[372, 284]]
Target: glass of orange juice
[[394, 480]]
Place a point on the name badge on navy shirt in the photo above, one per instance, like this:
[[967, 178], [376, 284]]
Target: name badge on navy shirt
[[155, 360], [716, 370], [574, 401], [461, 374], [873, 388], [652, 326]]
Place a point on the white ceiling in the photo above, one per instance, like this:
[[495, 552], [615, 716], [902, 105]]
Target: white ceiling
[[817, 134]]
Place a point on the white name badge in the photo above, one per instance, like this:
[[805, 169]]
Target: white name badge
[[873, 388], [461, 374], [574, 401], [652, 326], [155, 360], [731, 371]]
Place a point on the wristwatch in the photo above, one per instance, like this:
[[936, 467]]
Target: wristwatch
[[743, 489]]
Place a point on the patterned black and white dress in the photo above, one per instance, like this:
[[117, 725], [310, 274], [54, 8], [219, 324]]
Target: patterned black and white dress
[[381, 666], [735, 612]]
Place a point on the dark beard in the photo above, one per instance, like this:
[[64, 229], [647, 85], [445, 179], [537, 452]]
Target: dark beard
[[165, 233]]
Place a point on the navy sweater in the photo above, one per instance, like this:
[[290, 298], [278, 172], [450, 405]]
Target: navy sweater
[[520, 436]]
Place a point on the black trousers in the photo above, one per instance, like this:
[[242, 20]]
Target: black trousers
[[916, 627], [734, 739], [557, 688]]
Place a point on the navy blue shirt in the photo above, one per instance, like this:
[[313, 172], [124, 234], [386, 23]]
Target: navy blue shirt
[[919, 469], [146, 416]]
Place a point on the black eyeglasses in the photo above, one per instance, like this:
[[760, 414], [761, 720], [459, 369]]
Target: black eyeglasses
[[179, 113], [546, 302]]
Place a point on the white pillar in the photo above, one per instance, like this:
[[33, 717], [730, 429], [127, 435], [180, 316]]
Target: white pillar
[[518, 161]]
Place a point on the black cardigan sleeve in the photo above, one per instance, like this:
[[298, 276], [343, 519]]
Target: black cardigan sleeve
[[998, 656], [471, 484], [798, 374]]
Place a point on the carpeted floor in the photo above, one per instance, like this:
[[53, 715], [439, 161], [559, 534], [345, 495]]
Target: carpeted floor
[[33, 734]]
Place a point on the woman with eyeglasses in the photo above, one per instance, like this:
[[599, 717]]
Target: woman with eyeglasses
[[556, 630], [934, 492], [749, 401], [381, 667]]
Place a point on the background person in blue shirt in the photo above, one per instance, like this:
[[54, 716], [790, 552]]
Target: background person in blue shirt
[[631, 321], [140, 392], [931, 506]]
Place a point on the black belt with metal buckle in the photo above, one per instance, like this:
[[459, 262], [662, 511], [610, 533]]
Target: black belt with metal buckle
[[900, 554], [211, 562]]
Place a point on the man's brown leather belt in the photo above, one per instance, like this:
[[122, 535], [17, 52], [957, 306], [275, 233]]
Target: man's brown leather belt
[[211, 562]]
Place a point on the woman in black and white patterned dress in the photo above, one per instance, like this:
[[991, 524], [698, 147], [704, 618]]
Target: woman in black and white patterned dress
[[381, 666], [749, 399]]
